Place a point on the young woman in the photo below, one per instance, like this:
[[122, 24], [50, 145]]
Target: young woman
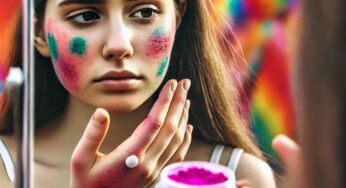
[[124, 57]]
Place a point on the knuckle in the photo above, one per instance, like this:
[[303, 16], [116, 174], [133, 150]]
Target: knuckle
[[155, 122], [76, 163], [171, 128], [179, 139]]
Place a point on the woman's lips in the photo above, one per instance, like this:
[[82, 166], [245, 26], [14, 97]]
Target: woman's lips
[[119, 84], [119, 81]]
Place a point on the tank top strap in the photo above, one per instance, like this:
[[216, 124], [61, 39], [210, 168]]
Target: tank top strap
[[216, 155], [7, 161], [235, 158]]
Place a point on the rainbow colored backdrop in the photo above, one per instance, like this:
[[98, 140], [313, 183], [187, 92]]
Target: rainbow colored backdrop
[[9, 14], [265, 28]]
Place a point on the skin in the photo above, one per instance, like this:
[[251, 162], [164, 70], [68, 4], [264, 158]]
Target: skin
[[116, 37], [126, 122], [123, 42], [291, 155]]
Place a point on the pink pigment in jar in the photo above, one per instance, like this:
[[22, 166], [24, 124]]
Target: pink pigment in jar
[[191, 174]]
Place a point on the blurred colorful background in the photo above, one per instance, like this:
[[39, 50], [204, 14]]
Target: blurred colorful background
[[9, 14], [265, 30]]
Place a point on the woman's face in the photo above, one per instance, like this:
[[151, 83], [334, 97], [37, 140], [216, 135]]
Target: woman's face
[[110, 53]]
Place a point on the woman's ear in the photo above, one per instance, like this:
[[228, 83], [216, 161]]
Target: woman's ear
[[180, 11], [40, 40]]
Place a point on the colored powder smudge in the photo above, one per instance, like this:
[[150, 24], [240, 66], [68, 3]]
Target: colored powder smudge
[[69, 74], [3, 76], [159, 44], [162, 68], [53, 47], [159, 31], [1, 87], [78, 45], [198, 176], [3, 71]]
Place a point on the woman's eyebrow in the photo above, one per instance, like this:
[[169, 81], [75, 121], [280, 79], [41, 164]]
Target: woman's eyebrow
[[67, 2]]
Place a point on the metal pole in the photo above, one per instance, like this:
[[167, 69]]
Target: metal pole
[[28, 110]]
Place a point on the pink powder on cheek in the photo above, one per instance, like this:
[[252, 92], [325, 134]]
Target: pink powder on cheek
[[198, 176], [68, 65], [158, 45], [68, 74]]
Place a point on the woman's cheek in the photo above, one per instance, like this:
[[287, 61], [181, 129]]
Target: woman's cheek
[[69, 56], [158, 49]]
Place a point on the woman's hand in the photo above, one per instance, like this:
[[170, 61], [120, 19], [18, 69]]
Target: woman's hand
[[162, 138], [290, 154], [244, 184]]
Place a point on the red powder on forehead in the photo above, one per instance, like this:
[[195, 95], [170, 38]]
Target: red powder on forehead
[[158, 45], [198, 176]]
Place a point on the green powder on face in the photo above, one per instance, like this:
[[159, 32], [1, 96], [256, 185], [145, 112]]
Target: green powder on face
[[159, 31], [53, 47], [162, 67], [78, 46]]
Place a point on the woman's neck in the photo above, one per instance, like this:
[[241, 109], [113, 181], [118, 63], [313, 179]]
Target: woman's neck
[[63, 134]]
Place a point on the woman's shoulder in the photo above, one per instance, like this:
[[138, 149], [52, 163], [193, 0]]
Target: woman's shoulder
[[257, 171], [8, 147]]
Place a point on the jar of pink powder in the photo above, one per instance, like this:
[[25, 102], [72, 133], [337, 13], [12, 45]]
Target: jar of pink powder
[[191, 174]]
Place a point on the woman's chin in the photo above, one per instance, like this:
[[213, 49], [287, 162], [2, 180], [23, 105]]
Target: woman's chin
[[121, 107]]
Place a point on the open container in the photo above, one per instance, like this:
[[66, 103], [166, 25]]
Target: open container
[[200, 172]]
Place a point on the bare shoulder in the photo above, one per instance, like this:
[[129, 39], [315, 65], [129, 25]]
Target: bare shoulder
[[10, 144], [256, 171]]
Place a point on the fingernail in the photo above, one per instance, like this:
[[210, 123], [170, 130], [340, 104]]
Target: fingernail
[[99, 116], [187, 85], [174, 86]]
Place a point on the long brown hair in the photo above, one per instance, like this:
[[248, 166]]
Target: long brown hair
[[196, 55]]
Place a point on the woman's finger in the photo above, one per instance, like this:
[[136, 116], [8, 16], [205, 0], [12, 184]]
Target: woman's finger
[[181, 152], [171, 123], [86, 151], [145, 133], [290, 154], [178, 138]]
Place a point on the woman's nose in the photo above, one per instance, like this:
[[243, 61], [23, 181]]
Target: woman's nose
[[118, 42]]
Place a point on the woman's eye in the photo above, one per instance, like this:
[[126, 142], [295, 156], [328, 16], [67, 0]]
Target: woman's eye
[[85, 17], [145, 13]]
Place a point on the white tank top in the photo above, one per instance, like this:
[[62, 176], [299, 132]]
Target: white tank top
[[233, 160], [7, 161]]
